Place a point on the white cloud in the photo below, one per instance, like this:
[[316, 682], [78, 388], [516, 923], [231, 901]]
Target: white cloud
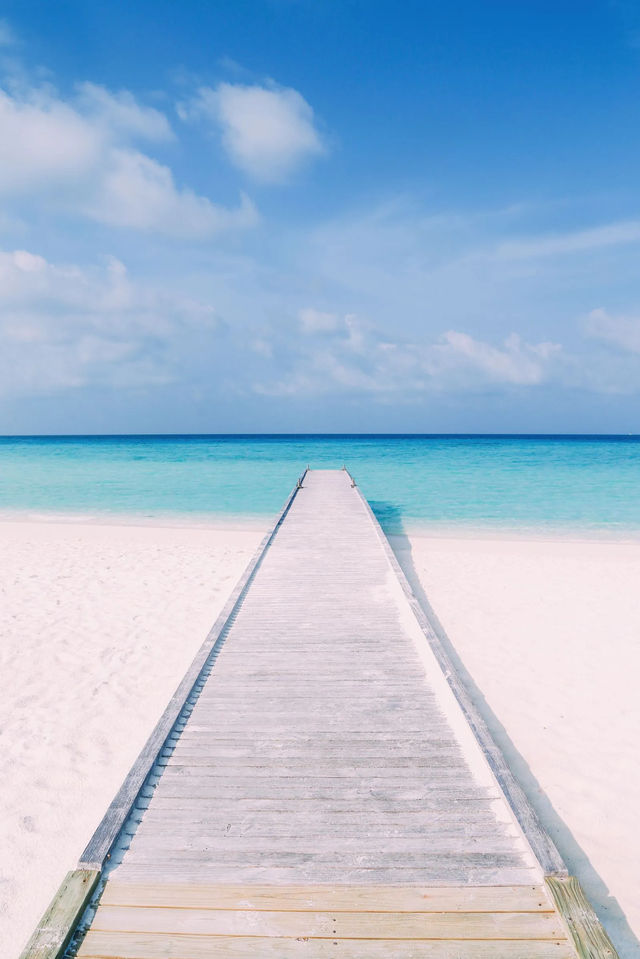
[[622, 331], [138, 192], [66, 326], [77, 156], [121, 112], [44, 141], [473, 361], [266, 130], [355, 356]]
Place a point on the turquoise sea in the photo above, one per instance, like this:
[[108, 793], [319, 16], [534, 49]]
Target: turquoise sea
[[525, 483]]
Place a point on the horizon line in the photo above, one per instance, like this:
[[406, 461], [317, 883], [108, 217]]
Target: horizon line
[[317, 435]]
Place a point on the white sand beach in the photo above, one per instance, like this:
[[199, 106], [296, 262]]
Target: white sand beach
[[547, 635], [97, 627], [98, 624]]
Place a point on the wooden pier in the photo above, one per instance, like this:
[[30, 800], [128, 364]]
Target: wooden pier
[[321, 785]]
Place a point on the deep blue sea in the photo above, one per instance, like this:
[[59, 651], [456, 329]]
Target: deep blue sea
[[527, 483]]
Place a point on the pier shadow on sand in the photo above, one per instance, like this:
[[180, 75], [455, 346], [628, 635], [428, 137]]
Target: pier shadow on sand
[[606, 906]]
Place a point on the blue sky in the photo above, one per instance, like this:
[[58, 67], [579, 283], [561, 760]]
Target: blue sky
[[319, 215]]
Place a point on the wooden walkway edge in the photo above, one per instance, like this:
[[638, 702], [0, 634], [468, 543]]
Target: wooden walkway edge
[[54, 931], [540, 841], [380, 823], [107, 832]]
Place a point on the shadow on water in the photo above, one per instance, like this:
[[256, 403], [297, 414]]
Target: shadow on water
[[389, 516], [607, 907]]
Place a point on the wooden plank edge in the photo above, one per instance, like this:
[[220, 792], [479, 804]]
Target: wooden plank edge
[[541, 844], [108, 830], [54, 931], [584, 929]]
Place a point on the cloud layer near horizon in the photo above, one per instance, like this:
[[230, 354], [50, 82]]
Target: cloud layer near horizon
[[66, 327]]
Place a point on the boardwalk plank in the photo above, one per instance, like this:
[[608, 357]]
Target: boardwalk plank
[[325, 925], [322, 898], [339, 873], [396, 850], [127, 945]]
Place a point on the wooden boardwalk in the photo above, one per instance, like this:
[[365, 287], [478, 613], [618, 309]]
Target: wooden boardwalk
[[322, 793]]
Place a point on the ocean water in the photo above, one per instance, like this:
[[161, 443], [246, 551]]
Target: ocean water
[[501, 483]]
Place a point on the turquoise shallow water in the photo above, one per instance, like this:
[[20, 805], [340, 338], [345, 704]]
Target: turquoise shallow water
[[582, 484]]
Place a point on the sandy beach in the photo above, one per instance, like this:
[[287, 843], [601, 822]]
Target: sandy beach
[[547, 637], [98, 624]]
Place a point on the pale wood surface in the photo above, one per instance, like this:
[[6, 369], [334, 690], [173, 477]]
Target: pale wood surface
[[323, 793], [324, 925], [189, 921], [340, 898], [156, 920], [129, 945], [320, 698]]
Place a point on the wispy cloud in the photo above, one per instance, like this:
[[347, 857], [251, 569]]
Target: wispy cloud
[[120, 111], [473, 362], [622, 331], [137, 191], [578, 241], [267, 131]]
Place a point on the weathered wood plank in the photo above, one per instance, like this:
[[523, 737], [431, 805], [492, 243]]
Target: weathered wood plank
[[191, 739], [316, 815], [206, 765], [362, 855], [53, 932], [443, 766], [127, 945], [323, 898], [325, 925], [207, 752], [364, 849], [331, 790], [304, 831], [340, 872], [439, 803], [582, 925]]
